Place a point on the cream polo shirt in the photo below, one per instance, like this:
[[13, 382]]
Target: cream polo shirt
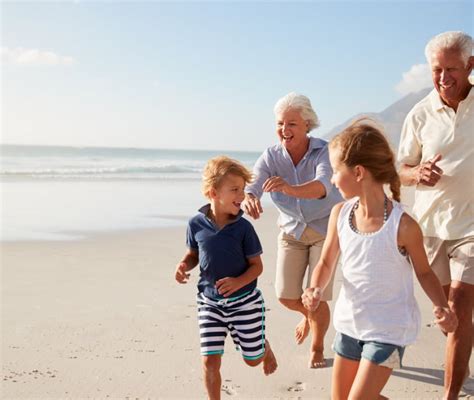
[[446, 210]]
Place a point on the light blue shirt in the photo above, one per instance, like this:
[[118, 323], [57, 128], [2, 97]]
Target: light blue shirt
[[296, 214]]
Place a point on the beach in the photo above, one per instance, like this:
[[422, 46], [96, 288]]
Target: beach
[[102, 317]]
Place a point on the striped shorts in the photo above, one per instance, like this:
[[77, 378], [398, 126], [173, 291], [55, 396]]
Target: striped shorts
[[242, 316]]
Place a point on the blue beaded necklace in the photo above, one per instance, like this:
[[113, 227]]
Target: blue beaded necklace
[[356, 206]]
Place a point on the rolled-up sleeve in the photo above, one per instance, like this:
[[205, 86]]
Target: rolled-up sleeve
[[261, 172], [323, 169], [409, 149]]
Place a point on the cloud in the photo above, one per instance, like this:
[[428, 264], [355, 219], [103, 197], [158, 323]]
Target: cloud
[[417, 78], [33, 57]]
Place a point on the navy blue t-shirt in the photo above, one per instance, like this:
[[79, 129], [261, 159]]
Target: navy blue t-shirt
[[222, 253]]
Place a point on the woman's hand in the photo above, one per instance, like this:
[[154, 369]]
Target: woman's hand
[[276, 184], [311, 298], [445, 318], [252, 206]]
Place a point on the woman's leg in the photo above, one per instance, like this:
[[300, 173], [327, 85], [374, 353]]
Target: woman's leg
[[292, 261], [318, 320], [319, 324]]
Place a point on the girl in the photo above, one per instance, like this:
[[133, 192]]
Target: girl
[[376, 314]]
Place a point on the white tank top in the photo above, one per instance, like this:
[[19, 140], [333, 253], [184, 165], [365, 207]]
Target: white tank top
[[376, 301]]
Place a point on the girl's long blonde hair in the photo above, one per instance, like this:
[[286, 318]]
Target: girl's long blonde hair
[[362, 143]]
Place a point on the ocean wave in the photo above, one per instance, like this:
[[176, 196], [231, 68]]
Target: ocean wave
[[102, 171]]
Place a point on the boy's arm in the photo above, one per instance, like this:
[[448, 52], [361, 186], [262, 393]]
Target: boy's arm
[[327, 262], [227, 286], [189, 261], [411, 238]]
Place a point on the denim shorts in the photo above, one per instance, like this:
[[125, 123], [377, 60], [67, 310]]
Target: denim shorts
[[383, 354]]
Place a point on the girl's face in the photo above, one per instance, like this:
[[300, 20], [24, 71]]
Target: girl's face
[[343, 177]]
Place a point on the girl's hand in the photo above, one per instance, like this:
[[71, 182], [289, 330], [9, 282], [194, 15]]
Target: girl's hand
[[311, 298], [276, 184], [445, 318], [226, 286], [180, 274]]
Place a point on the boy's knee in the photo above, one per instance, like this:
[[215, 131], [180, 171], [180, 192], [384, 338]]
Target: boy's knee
[[253, 363], [211, 363]]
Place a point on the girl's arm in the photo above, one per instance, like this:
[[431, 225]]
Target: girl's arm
[[327, 263], [410, 237], [189, 261], [228, 285]]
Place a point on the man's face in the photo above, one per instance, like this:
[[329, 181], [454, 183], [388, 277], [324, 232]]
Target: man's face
[[451, 76]]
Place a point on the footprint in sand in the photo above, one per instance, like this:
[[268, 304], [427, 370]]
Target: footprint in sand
[[228, 389], [297, 387]]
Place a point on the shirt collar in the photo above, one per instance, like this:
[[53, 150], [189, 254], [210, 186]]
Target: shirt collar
[[205, 209], [438, 104], [314, 144]]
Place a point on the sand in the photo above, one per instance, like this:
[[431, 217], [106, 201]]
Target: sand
[[103, 318]]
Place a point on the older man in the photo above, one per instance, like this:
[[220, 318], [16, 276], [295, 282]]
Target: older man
[[437, 155]]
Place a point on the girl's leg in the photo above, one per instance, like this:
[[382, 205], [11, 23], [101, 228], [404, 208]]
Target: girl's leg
[[369, 381], [212, 376], [343, 374]]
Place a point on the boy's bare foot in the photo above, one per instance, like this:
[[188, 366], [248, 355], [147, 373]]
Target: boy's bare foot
[[302, 330], [269, 362], [317, 359]]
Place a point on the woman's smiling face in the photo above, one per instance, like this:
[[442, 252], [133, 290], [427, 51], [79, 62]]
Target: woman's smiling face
[[291, 129]]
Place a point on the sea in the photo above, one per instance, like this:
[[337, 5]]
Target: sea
[[68, 193]]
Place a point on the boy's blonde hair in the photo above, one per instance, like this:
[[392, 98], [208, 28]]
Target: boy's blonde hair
[[363, 143], [218, 168]]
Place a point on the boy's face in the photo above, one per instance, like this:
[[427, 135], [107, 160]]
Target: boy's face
[[230, 194]]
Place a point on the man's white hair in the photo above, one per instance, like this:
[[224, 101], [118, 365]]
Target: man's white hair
[[298, 102], [451, 40]]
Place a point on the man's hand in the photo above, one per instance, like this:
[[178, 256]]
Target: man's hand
[[181, 275], [226, 286], [428, 173], [311, 298], [445, 318], [252, 206]]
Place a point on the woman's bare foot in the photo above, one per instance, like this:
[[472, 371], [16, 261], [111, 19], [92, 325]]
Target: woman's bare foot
[[269, 362], [317, 359], [302, 330]]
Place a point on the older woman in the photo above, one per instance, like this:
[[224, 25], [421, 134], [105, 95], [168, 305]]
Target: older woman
[[297, 174]]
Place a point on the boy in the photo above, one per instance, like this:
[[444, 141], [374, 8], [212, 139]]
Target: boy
[[228, 250]]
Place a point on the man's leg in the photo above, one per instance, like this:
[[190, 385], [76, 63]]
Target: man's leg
[[459, 342]]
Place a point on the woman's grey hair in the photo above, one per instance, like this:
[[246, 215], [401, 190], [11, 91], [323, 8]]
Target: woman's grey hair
[[452, 40], [299, 103]]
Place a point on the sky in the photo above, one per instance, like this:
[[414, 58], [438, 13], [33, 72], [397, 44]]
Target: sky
[[205, 75]]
